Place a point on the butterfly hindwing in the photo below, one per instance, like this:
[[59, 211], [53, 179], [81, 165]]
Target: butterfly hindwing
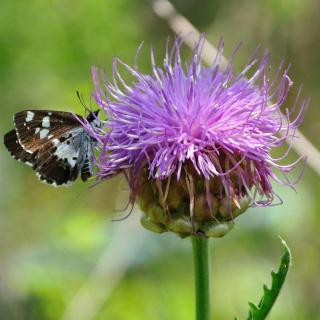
[[73, 152], [61, 159]]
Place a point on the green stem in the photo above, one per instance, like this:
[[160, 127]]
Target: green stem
[[200, 247]]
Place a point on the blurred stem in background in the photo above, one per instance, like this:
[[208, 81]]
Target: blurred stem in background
[[201, 259]]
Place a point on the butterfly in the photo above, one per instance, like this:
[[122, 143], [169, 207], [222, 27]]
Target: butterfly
[[54, 144]]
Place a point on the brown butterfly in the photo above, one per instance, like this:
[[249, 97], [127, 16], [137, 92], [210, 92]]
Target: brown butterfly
[[54, 143]]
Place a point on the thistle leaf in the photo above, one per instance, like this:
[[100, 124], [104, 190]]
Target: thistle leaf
[[261, 311]]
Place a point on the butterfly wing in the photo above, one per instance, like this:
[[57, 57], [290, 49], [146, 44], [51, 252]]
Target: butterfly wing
[[35, 127], [60, 160], [17, 152]]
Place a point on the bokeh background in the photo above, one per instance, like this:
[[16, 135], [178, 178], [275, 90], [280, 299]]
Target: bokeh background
[[61, 257]]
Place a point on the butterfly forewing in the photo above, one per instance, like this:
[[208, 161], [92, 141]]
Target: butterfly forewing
[[34, 125], [12, 143]]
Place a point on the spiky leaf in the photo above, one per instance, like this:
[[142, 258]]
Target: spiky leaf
[[261, 311]]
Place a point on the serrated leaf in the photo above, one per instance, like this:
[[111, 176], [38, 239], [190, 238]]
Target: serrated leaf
[[261, 311]]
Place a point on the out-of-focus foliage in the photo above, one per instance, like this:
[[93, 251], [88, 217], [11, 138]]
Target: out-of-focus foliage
[[51, 239]]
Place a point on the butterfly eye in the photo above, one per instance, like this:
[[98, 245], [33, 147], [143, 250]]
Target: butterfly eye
[[93, 115]]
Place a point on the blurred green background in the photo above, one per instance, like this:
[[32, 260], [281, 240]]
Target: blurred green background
[[61, 257]]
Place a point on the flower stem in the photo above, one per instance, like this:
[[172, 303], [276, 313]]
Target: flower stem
[[200, 247]]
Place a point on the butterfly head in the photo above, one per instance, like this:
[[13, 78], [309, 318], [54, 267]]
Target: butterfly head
[[93, 119], [93, 115]]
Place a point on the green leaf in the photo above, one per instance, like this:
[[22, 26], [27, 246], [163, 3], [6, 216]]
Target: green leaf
[[261, 311]]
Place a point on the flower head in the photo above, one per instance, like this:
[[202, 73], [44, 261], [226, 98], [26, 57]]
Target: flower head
[[194, 141]]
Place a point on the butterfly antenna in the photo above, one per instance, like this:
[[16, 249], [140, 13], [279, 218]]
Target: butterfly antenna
[[82, 101]]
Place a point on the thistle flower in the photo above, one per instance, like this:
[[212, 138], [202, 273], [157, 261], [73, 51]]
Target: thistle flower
[[193, 141]]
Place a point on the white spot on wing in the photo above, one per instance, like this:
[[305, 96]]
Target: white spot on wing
[[30, 116], [55, 142], [46, 122], [43, 133], [72, 161], [37, 130]]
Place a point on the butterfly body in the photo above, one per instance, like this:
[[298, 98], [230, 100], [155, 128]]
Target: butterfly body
[[54, 143]]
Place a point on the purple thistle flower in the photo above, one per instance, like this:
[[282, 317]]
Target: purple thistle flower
[[204, 131]]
